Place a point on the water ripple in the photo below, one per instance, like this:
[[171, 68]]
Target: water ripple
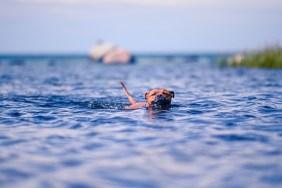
[[63, 124]]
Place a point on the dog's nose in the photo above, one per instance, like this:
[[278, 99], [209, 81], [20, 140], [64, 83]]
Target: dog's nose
[[160, 97]]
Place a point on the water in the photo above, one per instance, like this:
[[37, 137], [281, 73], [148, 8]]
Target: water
[[62, 124]]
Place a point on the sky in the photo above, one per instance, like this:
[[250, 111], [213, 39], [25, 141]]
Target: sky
[[141, 26]]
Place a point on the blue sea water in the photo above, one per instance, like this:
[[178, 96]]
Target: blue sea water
[[62, 124]]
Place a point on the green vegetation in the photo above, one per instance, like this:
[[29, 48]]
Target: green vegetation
[[268, 58]]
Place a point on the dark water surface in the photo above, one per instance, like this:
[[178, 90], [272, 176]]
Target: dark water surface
[[62, 124]]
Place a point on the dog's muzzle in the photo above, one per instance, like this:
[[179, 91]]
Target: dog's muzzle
[[160, 100]]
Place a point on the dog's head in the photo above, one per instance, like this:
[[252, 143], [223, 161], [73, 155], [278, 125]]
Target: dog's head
[[159, 97]]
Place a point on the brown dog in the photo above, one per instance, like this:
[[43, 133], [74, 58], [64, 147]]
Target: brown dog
[[156, 98]]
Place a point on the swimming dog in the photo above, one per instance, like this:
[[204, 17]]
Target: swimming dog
[[156, 98]]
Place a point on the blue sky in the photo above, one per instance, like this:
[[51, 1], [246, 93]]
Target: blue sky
[[73, 26]]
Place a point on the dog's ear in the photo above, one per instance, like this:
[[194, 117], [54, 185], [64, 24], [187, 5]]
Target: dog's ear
[[172, 93], [146, 95]]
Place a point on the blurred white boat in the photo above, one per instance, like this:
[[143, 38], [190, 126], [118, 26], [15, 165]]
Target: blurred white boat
[[109, 53]]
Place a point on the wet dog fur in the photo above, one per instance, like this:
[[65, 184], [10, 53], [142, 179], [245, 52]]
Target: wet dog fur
[[156, 98]]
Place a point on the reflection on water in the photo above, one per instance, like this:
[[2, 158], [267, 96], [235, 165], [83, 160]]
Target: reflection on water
[[62, 124]]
